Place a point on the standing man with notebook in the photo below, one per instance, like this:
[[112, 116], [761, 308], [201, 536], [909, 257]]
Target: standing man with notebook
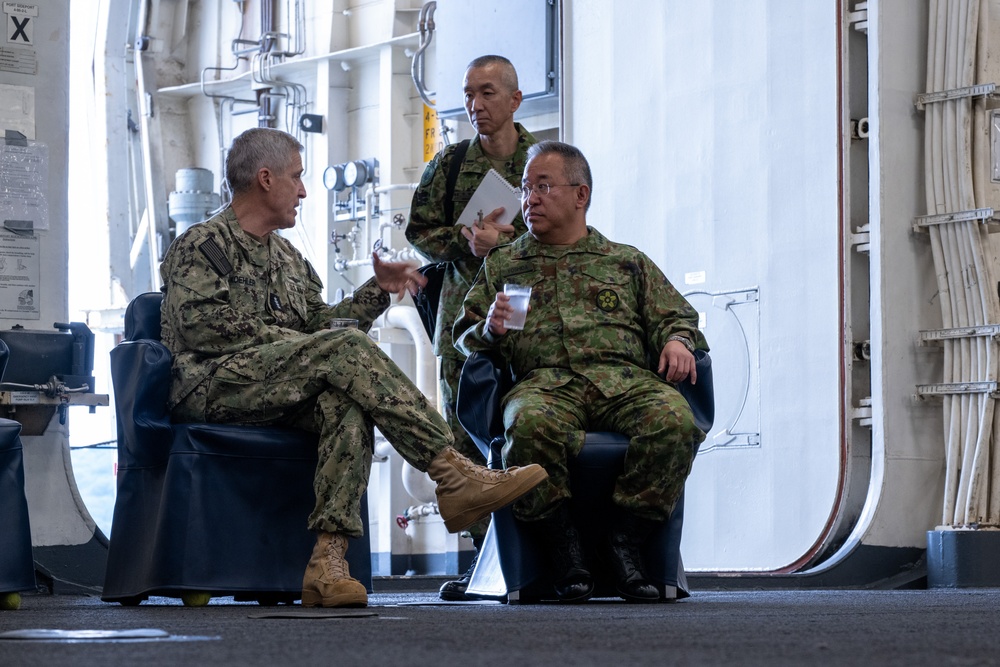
[[448, 183]]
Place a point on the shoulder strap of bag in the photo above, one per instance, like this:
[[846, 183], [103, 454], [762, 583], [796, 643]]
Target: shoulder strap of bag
[[457, 158]]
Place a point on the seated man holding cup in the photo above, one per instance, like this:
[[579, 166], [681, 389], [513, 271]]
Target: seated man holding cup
[[253, 342], [599, 311]]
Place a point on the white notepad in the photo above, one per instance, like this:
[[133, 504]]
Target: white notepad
[[492, 193]]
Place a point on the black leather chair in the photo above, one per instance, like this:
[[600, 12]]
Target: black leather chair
[[17, 567], [485, 379], [213, 509]]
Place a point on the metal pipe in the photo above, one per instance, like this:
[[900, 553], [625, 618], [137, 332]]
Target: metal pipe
[[382, 189], [407, 318], [416, 483], [425, 24], [342, 265], [146, 106], [369, 214]]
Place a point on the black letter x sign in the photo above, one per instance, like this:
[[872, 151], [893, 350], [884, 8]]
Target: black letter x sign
[[20, 28]]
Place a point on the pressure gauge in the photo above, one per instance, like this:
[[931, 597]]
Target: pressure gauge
[[355, 173], [333, 178]]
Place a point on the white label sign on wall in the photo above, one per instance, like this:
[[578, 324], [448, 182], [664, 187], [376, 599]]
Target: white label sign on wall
[[19, 277], [24, 179], [694, 278], [20, 22], [17, 109]]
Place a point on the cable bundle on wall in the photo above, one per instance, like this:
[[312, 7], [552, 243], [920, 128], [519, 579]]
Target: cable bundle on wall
[[964, 264]]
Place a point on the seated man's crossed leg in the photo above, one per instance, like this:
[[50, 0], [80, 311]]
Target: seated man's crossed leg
[[303, 382]]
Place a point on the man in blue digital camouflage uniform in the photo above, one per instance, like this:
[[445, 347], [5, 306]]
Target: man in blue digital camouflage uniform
[[244, 319], [599, 312]]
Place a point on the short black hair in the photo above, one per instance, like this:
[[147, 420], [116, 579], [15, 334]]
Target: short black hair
[[508, 75]]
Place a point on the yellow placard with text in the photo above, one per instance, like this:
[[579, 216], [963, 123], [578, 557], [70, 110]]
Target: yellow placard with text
[[432, 134]]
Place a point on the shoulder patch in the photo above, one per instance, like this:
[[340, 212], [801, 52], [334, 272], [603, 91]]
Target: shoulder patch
[[428, 175], [213, 253]]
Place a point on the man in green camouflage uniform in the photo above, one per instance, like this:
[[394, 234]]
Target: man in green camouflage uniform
[[491, 98], [244, 319], [599, 312]]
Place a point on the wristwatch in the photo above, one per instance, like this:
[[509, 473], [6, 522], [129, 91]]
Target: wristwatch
[[683, 340]]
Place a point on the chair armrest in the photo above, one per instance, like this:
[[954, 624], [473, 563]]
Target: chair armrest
[[140, 375], [485, 379], [701, 396]]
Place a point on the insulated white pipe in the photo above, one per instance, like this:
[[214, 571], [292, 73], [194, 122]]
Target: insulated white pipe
[[416, 483], [344, 264], [952, 79], [369, 214], [407, 318], [940, 244], [964, 269], [382, 189], [983, 479], [955, 241], [419, 485], [937, 30], [975, 457], [403, 255], [145, 112]]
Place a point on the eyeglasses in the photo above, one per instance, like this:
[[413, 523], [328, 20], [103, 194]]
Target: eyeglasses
[[543, 188]]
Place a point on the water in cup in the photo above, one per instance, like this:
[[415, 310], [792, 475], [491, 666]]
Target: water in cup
[[519, 297]]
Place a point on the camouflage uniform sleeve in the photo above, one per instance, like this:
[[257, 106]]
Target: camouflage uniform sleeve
[[665, 312], [367, 303], [426, 229], [470, 333], [197, 307], [319, 312]]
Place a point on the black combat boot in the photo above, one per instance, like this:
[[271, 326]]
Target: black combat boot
[[454, 591], [560, 540], [629, 534]]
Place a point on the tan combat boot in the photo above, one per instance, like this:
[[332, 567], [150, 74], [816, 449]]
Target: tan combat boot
[[467, 492], [328, 582]]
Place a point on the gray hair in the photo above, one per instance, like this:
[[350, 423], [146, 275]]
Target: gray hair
[[576, 169], [508, 75], [256, 149]]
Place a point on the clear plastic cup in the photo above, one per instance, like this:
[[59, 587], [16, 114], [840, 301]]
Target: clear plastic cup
[[343, 323], [519, 297]]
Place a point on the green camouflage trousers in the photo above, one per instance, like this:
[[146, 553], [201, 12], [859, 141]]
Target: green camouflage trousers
[[335, 383], [547, 426], [451, 371]]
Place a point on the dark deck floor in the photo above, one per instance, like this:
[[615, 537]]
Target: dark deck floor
[[912, 627]]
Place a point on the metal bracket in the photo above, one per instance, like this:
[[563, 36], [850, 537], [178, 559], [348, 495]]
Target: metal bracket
[[939, 335], [860, 129], [724, 301], [981, 90], [311, 122], [728, 440], [983, 215], [859, 17], [861, 239], [863, 413], [956, 388]]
